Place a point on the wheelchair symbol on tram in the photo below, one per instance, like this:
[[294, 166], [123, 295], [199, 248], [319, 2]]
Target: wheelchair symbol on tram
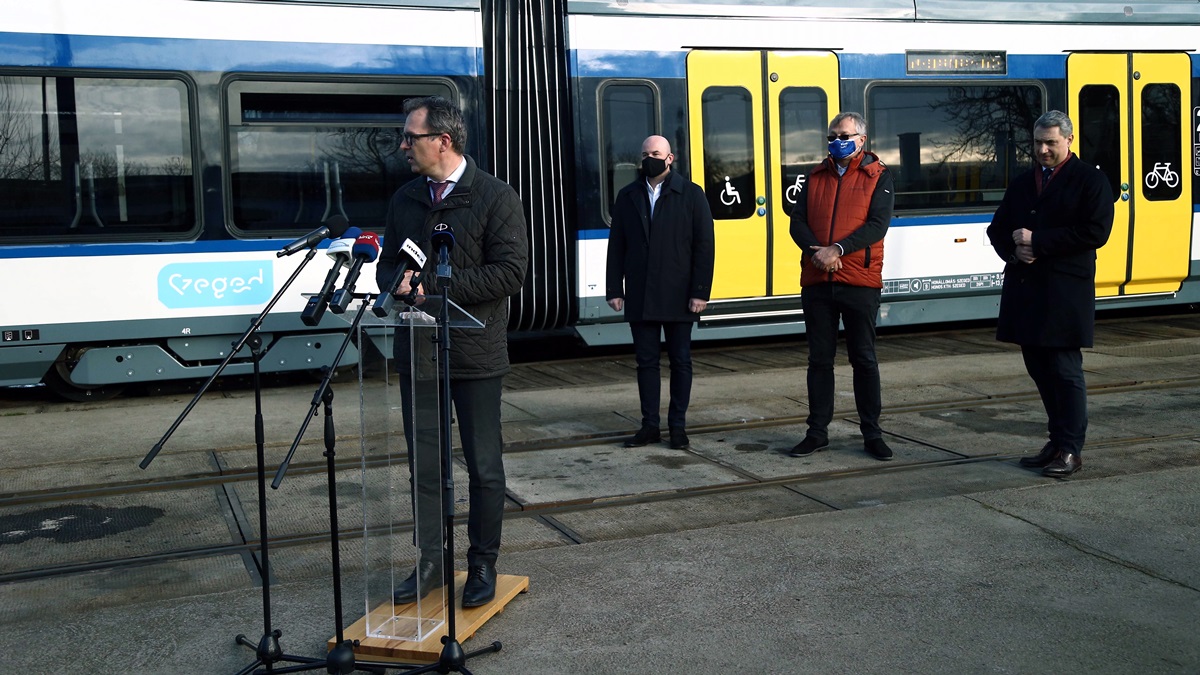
[[729, 195], [1162, 171], [793, 192]]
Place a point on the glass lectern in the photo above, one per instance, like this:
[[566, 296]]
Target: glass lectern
[[403, 520]]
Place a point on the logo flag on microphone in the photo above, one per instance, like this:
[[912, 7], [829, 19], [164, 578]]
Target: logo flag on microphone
[[365, 250]]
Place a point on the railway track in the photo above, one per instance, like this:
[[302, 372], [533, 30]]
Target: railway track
[[724, 482], [549, 512]]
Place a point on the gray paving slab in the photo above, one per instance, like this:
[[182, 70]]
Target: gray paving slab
[[105, 528], [989, 429], [762, 453], [1148, 521], [902, 486], [597, 472], [65, 598], [699, 512], [60, 475]]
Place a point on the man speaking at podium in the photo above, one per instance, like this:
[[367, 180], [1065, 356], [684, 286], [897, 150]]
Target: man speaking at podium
[[488, 259]]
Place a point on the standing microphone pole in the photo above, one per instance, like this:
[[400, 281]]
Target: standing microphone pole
[[267, 650], [340, 659], [452, 657]]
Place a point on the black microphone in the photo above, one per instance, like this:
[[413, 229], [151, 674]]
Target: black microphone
[[334, 227], [366, 249], [340, 252], [411, 257], [443, 242]]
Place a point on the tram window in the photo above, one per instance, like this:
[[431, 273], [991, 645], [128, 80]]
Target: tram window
[[1098, 129], [92, 158], [953, 146], [1162, 157], [300, 153], [628, 114], [804, 120], [728, 134]]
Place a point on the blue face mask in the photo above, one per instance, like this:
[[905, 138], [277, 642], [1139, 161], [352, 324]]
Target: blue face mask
[[840, 149]]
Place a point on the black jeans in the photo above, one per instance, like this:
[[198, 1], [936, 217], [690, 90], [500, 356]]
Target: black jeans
[[679, 352], [477, 412], [857, 307], [1058, 374]]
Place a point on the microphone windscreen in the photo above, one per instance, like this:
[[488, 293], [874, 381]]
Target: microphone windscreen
[[367, 246], [342, 247], [443, 235], [337, 226]]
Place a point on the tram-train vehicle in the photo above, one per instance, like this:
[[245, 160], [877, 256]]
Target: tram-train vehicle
[[155, 155]]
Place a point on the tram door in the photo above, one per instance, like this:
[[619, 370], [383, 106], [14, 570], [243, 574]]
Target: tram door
[[1132, 120], [758, 123]]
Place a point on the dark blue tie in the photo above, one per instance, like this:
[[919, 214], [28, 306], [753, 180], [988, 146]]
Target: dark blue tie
[[1046, 171]]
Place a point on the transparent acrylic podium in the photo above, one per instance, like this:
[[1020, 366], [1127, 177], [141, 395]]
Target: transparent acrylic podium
[[399, 372]]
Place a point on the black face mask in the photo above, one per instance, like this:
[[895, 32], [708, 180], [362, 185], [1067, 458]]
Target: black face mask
[[653, 166]]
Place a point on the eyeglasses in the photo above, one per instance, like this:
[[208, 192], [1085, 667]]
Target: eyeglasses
[[411, 138], [841, 137]]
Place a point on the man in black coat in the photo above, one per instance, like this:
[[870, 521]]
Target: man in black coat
[[1047, 228], [660, 270], [487, 265]]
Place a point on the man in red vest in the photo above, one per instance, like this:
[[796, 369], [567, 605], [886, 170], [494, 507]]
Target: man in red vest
[[838, 222]]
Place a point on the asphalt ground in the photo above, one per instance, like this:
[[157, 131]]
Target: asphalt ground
[[729, 556]]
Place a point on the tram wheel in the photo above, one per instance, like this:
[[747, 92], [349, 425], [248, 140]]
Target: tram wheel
[[58, 380]]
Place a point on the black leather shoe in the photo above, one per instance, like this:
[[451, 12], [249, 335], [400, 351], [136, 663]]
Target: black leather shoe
[[1040, 460], [877, 448], [679, 439], [481, 585], [808, 446], [1064, 465], [644, 436], [428, 576]]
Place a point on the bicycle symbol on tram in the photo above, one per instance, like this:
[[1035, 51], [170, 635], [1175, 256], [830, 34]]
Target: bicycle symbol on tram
[[1162, 171], [793, 192]]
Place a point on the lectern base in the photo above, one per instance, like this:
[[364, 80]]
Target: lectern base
[[466, 622]]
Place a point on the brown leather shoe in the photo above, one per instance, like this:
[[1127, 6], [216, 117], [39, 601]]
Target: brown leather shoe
[[1064, 465], [1039, 461]]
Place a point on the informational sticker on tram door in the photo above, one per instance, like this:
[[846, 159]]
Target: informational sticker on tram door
[[1196, 141]]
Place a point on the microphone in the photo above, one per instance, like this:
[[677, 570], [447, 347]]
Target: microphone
[[340, 252], [333, 228], [366, 249], [443, 242], [411, 257]]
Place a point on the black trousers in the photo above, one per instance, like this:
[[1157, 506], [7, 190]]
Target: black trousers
[[646, 349], [857, 307], [477, 412], [1058, 374]]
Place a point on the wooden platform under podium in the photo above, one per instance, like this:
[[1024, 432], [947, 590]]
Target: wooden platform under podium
[[466, 622]]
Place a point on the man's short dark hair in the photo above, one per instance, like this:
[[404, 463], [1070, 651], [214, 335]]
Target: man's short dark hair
[[442, 117]]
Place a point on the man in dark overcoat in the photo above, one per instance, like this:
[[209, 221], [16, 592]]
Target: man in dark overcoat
[[1047, 229], [660, 270]]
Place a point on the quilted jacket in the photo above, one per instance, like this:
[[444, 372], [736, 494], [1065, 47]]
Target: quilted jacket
[[488, 261]]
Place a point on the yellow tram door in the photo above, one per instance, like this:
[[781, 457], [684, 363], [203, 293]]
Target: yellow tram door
[[758, 122], [1132, 118]]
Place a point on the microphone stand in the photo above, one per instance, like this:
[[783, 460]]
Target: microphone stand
[[452, 657], [267, 651], [340, 659]]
